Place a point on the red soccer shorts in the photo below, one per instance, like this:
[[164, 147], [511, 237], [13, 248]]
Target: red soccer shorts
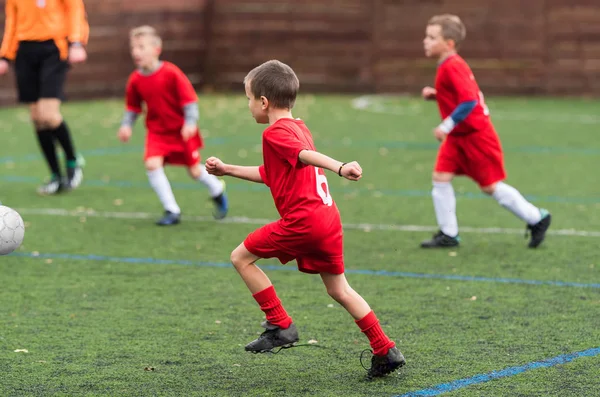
[[477, 155], [174, 149], [316, 249]]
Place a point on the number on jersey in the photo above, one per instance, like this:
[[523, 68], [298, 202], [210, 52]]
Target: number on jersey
[[323, 187]]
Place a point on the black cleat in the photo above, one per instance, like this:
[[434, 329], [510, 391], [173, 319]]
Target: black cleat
[[273, 337], [53, 186], [74, 177], [441, 240], [383, 365], [538, 231], [75, 173], [170, 218]]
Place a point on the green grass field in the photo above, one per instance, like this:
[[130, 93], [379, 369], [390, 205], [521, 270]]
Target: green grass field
[[98, 295]]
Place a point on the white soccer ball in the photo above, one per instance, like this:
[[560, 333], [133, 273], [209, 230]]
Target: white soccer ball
[[12, 230]]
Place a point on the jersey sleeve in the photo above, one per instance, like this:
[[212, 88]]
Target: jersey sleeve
[[286, 144], [263, 174], [9, 42], [462, 81], [183, 87], [133, 100], [78, 27]]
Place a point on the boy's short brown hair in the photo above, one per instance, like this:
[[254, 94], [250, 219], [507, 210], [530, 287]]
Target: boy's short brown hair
[[452, 27], [276, 81], [146, 31]]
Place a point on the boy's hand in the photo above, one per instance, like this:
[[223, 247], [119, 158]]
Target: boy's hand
[[215, 166], [439, 134], [188, 131], [429, 93], [124, 133], [3, 66], [352, 171], [77, 54]]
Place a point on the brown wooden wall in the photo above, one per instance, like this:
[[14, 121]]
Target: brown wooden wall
[[514, 46]]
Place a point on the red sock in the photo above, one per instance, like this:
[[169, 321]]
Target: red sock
[[271, 305], [379, 341]]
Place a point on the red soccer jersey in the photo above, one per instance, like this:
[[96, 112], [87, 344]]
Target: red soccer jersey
[[165, 92], [455, 84], [300, 191]]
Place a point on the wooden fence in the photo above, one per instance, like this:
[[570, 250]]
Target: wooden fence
[[514, 47]]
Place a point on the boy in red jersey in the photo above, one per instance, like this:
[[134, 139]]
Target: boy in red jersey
[[310, 228], [470, 145], [171, 121]]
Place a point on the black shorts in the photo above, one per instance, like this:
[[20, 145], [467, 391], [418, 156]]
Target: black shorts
[[40, 71]]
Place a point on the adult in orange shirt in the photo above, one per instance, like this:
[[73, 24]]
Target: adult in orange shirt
[[42, 38]]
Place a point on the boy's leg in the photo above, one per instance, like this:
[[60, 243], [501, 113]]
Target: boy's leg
[[444, 203], [28, 84], [160, 183], [537, 219], [280, 331], [50, 116], [53, 74], [216, 189], [46, 141], [386, 357]]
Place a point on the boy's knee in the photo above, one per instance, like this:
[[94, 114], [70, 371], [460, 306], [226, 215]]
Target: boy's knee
[[237, 259], [490, 189], [195, 171], [153, 163], [442, 176], [337, 293], [47, 117]]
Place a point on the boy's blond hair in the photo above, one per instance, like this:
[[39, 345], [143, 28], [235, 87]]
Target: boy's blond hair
[[276, 81], [146, 31], [452, 27]]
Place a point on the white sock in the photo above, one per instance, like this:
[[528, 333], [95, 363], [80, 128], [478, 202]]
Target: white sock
[[510, 198], [162, 187], [444, 203], [214, 185]]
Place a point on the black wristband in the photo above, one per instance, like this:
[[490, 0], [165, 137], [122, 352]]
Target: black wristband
[[340, 170]]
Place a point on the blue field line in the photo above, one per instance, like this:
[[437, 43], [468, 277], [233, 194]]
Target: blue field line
[[510, 371], [252, 187], [86, 153], [218, 141], [382, 273]]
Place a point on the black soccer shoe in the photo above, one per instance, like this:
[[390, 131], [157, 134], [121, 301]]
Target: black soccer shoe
[[273, 337], [538, 231], [170, 218], [383, 365], [74, 177], [441, 240], [53, 186]]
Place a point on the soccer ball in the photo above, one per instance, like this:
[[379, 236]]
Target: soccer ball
[[12, 230]]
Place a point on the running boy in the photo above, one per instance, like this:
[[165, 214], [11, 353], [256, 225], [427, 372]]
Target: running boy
[[171, 121], [310, 228], [470, 145]]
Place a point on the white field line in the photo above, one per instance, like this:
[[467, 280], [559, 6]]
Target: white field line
[[366, 227], [375, 104]]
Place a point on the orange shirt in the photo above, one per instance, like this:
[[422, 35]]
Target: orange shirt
[[63, 21]]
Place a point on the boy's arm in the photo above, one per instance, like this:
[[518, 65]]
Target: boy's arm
[[461, 112], [77, 24], [248, 173], [461, 78], [129, 119], [9, 42], [191, 113], [351, 171], [217, 167]]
